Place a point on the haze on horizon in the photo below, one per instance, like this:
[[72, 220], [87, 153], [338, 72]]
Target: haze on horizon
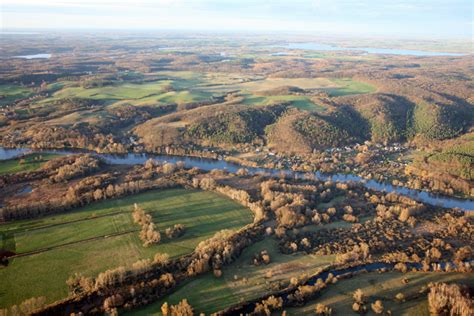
[[424, 18]]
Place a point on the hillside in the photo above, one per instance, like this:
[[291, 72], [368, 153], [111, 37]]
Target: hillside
[[232, 128], [301, 132]]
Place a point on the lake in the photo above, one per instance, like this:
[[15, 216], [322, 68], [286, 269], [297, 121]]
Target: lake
[[36, 56], [369, 50]]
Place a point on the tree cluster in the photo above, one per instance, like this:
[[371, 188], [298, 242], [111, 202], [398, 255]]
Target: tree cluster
[[81, 166], [27, 307], [183, 308], [449, 299], [263, 257], [176, 231], [267, 306], [148, 234]]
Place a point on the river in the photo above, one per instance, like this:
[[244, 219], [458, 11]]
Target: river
[[209, 164]]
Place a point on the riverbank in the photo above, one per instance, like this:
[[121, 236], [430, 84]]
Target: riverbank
[[210, 164]]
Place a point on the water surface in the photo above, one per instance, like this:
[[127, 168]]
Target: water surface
[[35, 56], [369, 50]]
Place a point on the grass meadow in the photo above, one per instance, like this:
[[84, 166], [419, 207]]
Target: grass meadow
[[28, 163], [300, 102], [347, 86], [101, 236], [115, 92], [381, 286], [184, 87], [241, 281], [9, 93]]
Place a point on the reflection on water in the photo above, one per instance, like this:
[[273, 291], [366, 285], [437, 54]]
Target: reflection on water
[[6, 153], [25, 190], [209, 164], [370, 50], [36, 56]]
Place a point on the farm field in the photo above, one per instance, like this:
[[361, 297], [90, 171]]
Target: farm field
[[382, 286], [184, 87], [9, 93], [178, 97], [89, 117], [103, 233], [347, 86], [138, 94], [302, 83], [197, 87], [300, 102], [115, 92], [30, 163], [255, 92], [209, 294], [333, 86]]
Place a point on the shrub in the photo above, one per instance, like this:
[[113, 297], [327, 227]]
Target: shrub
[[174, 232], [323, 309], [377, 307], [181, 309], [161, 258], [359, 296], [400, 297]]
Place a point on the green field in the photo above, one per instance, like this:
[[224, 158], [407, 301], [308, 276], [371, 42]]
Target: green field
[[300, 102], [203, 213], [274, 83], [348, 87], [382, 286], [209, 294], [252, 90], [29, 163], [178, 97], [9, 93], [182, 87], [150, 93], [91, 117], [115, 92], [333, 86]]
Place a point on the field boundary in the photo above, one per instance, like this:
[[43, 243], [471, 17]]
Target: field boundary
[[41, 250], [62, 223]]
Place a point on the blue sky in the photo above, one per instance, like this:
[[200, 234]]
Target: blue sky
[[433, 18]]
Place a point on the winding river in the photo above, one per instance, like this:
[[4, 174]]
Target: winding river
[[209, 164]]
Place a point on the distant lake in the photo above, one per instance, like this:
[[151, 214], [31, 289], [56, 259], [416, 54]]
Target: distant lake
[[369, 50], [36, 56]]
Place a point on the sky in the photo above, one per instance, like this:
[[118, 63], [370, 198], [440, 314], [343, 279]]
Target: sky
[[432, 18]]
